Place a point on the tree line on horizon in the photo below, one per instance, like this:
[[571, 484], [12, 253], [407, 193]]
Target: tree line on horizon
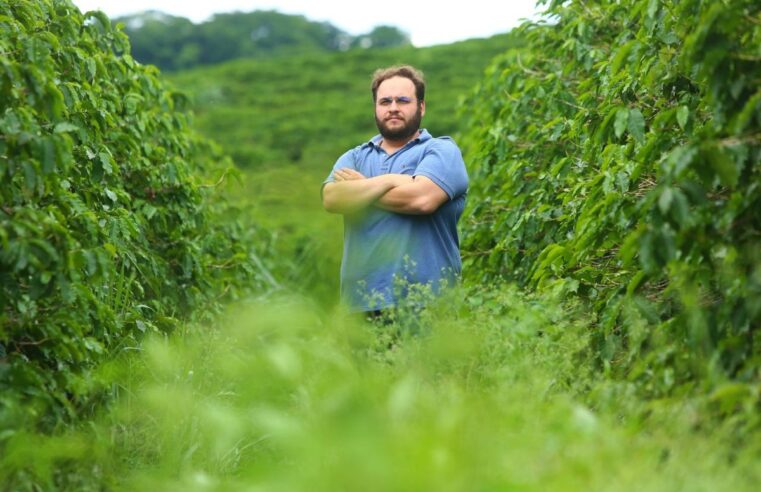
[[176, 43]]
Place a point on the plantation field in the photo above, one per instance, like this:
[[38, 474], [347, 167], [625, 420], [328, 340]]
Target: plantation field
[[169, 316]]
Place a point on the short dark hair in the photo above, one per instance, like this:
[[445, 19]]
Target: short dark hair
[[406, 71]]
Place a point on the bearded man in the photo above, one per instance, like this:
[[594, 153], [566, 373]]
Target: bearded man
[[401, 195]]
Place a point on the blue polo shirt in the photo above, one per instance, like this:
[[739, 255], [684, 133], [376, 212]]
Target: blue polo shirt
[[385, 253]]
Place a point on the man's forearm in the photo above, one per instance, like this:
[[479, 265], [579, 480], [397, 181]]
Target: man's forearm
[[404, 199], [345, 197], [418, 197]]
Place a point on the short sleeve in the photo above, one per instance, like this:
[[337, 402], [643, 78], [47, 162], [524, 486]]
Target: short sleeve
[[443, 164], [346, 160]]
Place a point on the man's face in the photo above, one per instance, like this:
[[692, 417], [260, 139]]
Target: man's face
[[397, 111]]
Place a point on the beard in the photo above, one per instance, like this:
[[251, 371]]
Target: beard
[[403, 132]]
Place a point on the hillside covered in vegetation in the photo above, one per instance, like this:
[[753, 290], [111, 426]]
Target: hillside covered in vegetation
[[175, 43]]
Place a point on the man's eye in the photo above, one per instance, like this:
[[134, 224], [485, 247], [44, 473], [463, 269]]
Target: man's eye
[[401, 100]]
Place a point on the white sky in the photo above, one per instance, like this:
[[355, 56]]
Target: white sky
[[428, 22]]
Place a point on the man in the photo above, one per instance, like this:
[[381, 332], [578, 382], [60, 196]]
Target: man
[[401, 195]]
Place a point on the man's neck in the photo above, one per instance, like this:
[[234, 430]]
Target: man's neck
[[391, 146]]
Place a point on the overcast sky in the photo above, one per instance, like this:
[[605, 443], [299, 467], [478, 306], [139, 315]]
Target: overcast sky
[[428, 22]]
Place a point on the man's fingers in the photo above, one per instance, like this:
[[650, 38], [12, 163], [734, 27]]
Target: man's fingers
[[353, 174], [346, 174]]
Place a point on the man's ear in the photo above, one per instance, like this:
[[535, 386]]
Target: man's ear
[[422, 108]]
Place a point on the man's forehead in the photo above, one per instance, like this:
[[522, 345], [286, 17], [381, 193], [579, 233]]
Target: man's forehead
[[396, 86]]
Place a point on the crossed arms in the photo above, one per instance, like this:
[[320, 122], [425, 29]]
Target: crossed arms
[[351, 191]]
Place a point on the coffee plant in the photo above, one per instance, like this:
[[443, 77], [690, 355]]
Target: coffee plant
[[111, 222], [617, 156]]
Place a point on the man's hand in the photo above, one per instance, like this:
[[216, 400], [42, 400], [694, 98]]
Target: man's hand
[[347, 174]]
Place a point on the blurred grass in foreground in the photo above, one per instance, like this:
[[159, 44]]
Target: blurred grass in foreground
[[280, 397], [306, 241]]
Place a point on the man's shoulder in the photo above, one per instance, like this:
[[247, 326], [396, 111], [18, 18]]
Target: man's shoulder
[[356, 150], [373, 142], [444, 144], [361, 149], [445, 140], [442, 140]]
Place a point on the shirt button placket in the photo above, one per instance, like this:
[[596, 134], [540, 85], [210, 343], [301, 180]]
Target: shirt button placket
[[384, 163]]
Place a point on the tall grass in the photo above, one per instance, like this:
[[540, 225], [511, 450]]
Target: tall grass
[[490, 391]]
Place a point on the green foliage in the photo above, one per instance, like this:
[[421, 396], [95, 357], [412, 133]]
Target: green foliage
[[110, 224], [382, 37], [175, 43], [277, 397], [617, 156], [612, 161]]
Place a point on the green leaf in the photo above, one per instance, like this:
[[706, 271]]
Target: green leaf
[[652, 8], [751, 109], [101, 17], [91, 262], [636, 125], [91, 67], [63, 151], [664, 200], [602, 131], [682, 115], [680, 209], [55, 101], [621, 122], [45, 278], [132, 102], [111, 249], [93, 344], [621, 56], [149, 211], [65, 126], [30, 175], [47, 155], [634, 283], [105, 160]]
